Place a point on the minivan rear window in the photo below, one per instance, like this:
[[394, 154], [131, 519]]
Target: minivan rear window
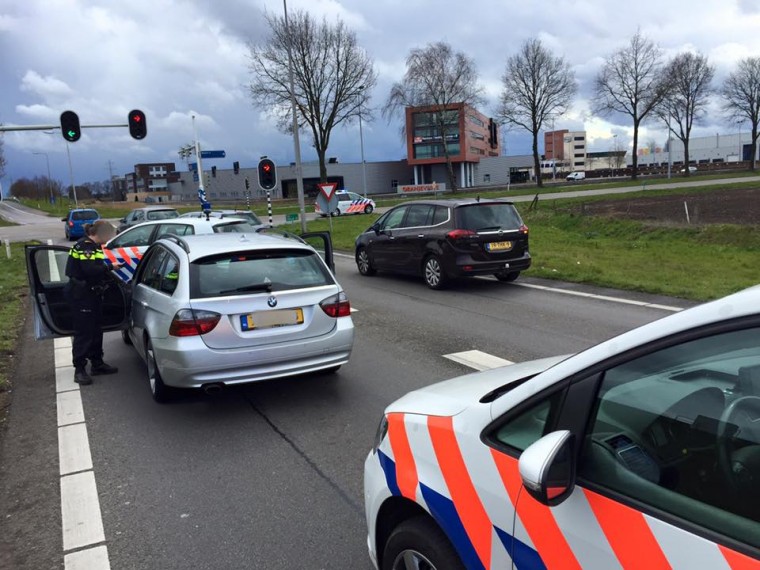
[[481, 217], [162, 214], [84, 215], [246, 273]]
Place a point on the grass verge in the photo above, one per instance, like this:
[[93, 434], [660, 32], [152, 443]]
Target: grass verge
[[14, 292], [695, 262]]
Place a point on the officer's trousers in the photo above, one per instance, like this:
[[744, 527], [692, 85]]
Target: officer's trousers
[[87, 343]]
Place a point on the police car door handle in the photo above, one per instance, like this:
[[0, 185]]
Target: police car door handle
[[420, 235]]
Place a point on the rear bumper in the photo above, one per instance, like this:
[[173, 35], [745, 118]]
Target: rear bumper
[[189, 363], [466, 266]]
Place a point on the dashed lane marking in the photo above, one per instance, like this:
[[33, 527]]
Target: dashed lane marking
[[477, 359], [82, 522]]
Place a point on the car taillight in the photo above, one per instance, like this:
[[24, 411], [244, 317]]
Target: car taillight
[[460, 234], [71, 224], [524, 229], [336, 306], [190, 322]]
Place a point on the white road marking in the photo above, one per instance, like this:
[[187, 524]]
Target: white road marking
[[82, 522], [55, 274], [601, 297], [74, 449], [80, 511], [89, 559], [477, 359], [62, 356], [69, 406]]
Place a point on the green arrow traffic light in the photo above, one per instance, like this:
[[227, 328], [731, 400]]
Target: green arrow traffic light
[[70, 126]]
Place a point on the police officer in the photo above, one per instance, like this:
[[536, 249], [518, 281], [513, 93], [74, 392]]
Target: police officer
[[87, 270]]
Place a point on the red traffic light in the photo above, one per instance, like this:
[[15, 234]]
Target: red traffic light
[[138, 128], [267, 174]]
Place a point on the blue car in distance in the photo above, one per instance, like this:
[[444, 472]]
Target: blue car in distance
[[76, 220]]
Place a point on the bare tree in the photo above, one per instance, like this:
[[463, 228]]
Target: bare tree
[[741, 94], [333, 77], [631, 82], [536, 86], [690, 87], [437, 77]]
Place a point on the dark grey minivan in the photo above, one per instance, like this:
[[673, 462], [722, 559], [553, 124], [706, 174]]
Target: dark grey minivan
[[445, 239]]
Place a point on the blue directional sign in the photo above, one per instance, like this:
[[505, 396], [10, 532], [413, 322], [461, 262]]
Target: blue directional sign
[[213, 154], [193, 166]]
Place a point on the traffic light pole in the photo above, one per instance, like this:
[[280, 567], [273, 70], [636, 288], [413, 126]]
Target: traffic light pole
[[71, 176], [4, 128]]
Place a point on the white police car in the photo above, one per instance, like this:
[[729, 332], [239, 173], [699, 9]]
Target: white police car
[[349, 203], [640, 452]]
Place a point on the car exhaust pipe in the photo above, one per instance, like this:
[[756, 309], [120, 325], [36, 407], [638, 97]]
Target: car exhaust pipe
[[212, 389]]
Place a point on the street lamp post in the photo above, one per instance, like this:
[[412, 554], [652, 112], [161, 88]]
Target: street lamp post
[[361, 144], [50, 182]]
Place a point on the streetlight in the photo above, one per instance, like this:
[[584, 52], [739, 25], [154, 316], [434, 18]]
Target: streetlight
[[361, 141], [50, 182], [71, 170]]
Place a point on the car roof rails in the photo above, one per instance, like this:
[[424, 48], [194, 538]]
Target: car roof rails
[[178, 240]]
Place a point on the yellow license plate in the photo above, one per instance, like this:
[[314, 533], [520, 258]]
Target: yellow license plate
[[270, 319], [499, 246]]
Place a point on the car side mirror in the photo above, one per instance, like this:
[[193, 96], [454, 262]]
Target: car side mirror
[[64, 219], [547, 468], [123, 221]]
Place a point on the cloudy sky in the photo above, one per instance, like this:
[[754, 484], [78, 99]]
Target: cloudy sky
[[178, 58]]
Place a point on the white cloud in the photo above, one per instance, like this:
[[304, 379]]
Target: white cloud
[[47, 86]]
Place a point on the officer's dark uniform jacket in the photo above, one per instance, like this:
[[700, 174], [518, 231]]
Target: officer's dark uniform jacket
[[87, 271]]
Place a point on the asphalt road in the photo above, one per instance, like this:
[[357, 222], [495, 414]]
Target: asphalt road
[[270, 475]]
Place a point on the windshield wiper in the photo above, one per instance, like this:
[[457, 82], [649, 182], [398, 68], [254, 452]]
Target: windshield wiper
[[266, 286]]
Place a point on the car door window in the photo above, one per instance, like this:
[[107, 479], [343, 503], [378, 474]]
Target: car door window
[[150, 276], [174, 229], [529, 425], [679, 430], [394, 219], [419, 215], [136, 237], [169, 275], [440, 215]]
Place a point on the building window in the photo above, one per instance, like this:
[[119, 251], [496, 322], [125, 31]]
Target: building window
[[435, 150], [476, 150], [579, 155], [579, 163], [394, 183], [580, 147], [475, 120], [477, 136], [486, 178], [579, 138]]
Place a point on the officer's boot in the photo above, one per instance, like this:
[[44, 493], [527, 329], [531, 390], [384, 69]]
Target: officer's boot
[[81, 376], [99, 367]]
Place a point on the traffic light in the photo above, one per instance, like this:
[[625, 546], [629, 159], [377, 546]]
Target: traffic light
[[247, 185], [70, 126], [267, 174], [138, 128], [236, 167]]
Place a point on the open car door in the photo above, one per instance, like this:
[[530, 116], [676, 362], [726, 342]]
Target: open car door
[[321, 241], [45, 267]]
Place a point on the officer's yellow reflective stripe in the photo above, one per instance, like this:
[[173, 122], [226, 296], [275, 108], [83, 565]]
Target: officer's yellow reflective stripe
[[88, 255], [173, 275]]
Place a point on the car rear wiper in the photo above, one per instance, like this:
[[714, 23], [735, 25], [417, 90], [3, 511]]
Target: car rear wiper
[[266, 286]]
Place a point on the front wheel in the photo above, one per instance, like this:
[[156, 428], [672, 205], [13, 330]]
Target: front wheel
[[419, 543], [432, 272], [335, 212], [363, 262], [507, 276], [368, 209], [160, 391]]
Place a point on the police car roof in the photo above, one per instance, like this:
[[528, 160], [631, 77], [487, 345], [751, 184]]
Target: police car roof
[[199, 246]]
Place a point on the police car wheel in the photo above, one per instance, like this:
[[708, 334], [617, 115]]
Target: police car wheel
[[125, 338], [335, 212], [368, 209], [419, 543], [159, 390]]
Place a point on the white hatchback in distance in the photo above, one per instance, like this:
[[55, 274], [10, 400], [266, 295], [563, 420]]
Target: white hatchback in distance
[[640, 452]]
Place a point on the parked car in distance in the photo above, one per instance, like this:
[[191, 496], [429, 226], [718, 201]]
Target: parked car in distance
[[349, 203], [128, 247], [692, 169], [445, 239], [576, 176], [147, 214], [554, 462], [241, 214], [75, 221]]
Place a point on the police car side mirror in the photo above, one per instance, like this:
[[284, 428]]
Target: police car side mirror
[[547, 468]]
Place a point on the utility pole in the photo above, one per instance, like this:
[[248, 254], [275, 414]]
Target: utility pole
[[296, 141]]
